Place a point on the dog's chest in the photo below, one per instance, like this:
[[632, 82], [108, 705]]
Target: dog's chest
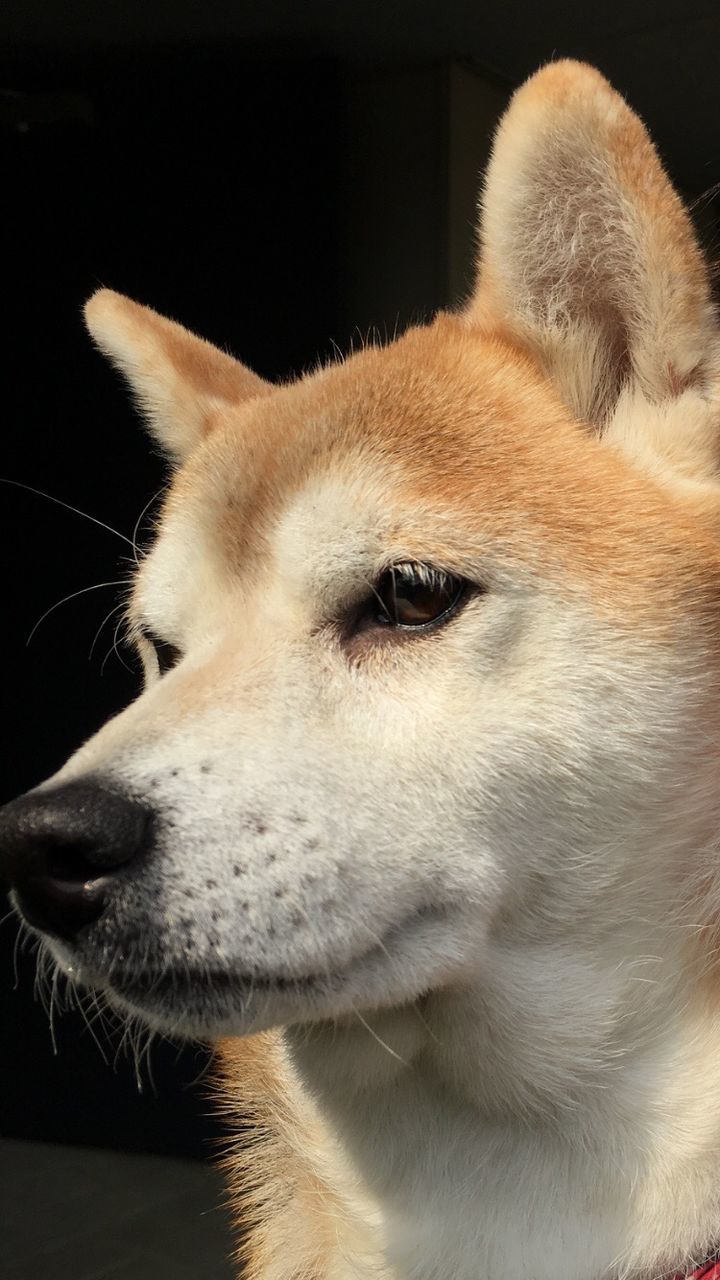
[[444, 1195]]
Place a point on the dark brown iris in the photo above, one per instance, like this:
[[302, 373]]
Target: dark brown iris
[[415, 595]]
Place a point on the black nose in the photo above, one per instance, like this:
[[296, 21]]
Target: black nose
[[60, 848]]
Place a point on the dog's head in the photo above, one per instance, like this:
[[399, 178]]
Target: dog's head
[[430, 637]]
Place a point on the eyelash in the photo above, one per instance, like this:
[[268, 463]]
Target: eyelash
[[413, 596], [409, 596]]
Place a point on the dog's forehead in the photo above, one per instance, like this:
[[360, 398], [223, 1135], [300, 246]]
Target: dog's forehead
[[446, 446], [440, 419]]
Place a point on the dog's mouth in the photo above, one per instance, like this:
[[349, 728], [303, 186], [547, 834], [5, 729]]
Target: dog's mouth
[[172, 982], [176, 982], [207, 1000]]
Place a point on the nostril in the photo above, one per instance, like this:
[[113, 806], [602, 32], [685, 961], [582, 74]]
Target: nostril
[[69, 864], [61, 849], [59, 906]]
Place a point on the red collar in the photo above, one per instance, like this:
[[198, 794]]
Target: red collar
[[708, 1271]]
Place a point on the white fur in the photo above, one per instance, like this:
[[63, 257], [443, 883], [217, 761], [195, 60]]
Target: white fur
[[562, 1041], [495, 855]]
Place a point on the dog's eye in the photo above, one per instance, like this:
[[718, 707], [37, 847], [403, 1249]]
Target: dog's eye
[[416, 595], [168, 655]]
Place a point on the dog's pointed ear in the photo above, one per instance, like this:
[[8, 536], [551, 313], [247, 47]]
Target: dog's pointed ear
[[178, 379], [587, 254]]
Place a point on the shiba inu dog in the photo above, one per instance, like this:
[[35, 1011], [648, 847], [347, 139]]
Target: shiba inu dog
[[418, 814]]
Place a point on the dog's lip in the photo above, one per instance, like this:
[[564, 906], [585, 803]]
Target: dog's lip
[[179, 980], [161, 981]]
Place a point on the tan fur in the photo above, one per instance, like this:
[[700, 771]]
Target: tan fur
[[473, 430], [587, 252], [492, 849], [290, 1189], [256, 1079], [180, 380]]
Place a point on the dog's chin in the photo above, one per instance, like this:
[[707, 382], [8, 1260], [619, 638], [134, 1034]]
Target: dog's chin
[[208, 1002]]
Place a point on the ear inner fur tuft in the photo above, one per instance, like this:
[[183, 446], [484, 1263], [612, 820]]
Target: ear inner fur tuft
[[178, 379], [588, 255]]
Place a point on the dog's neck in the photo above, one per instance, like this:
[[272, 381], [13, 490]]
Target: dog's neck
[[560, 1118]]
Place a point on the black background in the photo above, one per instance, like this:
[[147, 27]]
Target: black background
[[196, 158], [206, 185]]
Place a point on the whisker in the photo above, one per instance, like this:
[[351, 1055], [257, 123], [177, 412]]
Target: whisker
[[382, 947], [114, 649], [96, 1012], [380, 1041], [18, 484], [148, 504], [122, 1044], [43, 973], [136, 1043], [51, 1010], [91, 1030], [73, 594], [427, 1026], [16, 953], [204, 1070], [148, 1062], [105, 620]]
